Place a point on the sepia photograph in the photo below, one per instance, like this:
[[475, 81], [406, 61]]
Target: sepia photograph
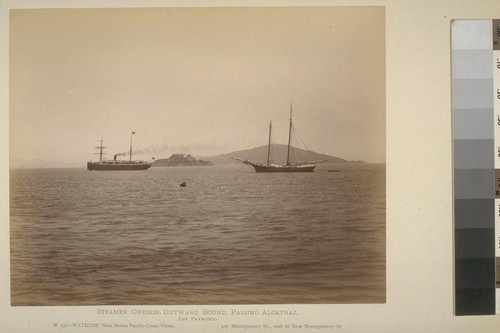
[[197, 156], [248, 166]]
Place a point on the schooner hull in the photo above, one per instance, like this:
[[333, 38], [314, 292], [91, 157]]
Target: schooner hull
[[281, 168]]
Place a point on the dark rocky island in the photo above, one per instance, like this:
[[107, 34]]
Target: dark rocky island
[[180, 160]]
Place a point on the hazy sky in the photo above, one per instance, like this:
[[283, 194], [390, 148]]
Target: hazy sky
[[203, 81]]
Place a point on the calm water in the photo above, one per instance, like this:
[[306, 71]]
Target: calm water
[[230, 237]]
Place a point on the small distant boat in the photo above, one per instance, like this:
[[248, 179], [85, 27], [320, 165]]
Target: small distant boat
[[115, 164], [289, 166], [330, 170]]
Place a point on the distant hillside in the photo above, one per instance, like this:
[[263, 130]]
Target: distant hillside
[[278, 155], [180, 160]]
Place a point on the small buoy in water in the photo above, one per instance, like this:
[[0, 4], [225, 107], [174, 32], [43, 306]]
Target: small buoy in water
[[183, 184]]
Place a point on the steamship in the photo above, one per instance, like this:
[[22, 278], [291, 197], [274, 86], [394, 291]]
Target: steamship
[[115, 164]]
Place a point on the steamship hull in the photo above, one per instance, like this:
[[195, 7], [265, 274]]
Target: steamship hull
[[123, 166]]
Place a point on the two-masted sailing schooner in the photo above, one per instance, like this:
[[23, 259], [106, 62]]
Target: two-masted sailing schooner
[[289, 166], [115, 164]]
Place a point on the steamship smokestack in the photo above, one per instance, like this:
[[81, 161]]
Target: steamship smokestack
[[119, 154]]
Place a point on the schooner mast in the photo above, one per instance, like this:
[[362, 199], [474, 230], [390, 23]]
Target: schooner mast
[[289, 138], [269, 144]]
